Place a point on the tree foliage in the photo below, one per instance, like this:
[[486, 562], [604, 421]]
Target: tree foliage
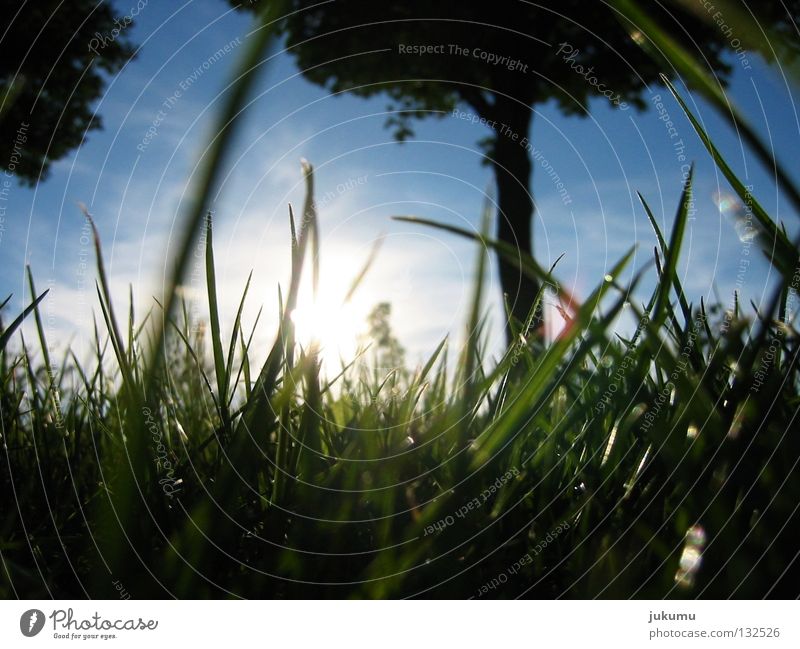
[[53, 58]]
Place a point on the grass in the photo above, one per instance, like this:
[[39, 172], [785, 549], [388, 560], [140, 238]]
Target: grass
[[175, 464]]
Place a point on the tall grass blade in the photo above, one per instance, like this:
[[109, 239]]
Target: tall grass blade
[[525, 405], [777, 246], [662, 244], [524, 262], [672, 253], [214, 325], [373, 254], [211, 166], [8, 332], [659, 44]]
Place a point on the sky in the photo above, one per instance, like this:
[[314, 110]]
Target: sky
[[158, 114]]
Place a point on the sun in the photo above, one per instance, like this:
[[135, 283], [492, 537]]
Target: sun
[[334, 325]]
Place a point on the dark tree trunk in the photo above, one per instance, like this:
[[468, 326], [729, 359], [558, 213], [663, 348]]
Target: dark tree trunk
[[512, 166]]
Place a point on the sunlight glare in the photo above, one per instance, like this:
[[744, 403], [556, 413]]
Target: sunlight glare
[[336, 327]]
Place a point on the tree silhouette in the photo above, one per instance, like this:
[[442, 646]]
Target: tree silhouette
[[495, 61], [52, 56]]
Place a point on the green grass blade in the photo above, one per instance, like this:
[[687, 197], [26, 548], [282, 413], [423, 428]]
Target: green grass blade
[[104, 293], [310, 224], [777, 246], [211, 167], [7, 333], [39, 327], [669, 271], [373, 254], [472, 333], [237, 325], [523, 407], [255, 409], [661, 45], [525, 263], [214, 325], [662, 244]]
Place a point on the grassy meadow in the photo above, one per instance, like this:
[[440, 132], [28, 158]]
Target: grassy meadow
[[179, 463]]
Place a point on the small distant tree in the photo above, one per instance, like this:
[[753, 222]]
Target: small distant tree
[[388, 352], [52, 58]]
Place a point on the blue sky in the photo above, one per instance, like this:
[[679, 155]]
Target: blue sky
[[134, 185]]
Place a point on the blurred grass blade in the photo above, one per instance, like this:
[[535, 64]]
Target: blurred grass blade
[[310, 225], [661, 45], [211, 166], [779, 249], [472, 333], [773, 45], [373, 254]]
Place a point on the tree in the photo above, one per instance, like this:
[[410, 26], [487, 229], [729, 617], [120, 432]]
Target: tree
[[496, 61], [52, 56], [388, 353]]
